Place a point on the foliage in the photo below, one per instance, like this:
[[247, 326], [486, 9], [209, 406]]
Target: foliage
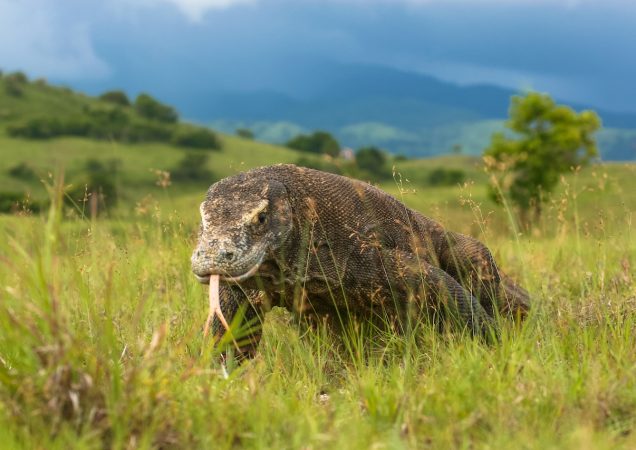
[[48, 127], [441, 176], [94, 190], [107, 121], [548, 140], [117, 97], [22, 171], [317, 142], [193, 167], [373, 160], [152, 109], [400, 157], [14, 84], [15, 202], [319, 164], [196, 137], [245, 133], [18, 77]]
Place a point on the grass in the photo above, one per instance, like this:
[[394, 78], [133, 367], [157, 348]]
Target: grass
[[101, 345]]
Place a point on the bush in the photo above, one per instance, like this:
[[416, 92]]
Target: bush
[[48, 127], [117, 97], [245, 133], [22, 171], [95, 188], [147, 132], [18, 77], [400, 157], [446, 177], [13, 202], [373, 160], [106, 121], [317, 142], [36, 128], [192, 168], [323, 165], [195, 137], [13, 88], [152, 109]]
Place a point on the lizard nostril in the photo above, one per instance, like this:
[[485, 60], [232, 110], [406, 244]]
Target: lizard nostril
[[229, 256]]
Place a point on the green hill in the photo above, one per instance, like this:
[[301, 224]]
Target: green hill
[[36, 110], [132, 172]]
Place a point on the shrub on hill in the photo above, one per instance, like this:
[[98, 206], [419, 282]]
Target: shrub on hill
[[146, 132], [325, 166], [104, 124], [14, 83], [245, 133], [373, 160], [18, 77], [22, 171], [95, 191], [317, 142], [195, 137], [192, 168], [106, 120], [15, 202], [446, 177], [152, 109], [117, 97], [48, 127]]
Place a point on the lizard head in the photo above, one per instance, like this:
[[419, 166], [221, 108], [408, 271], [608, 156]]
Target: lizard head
[[244, 218]]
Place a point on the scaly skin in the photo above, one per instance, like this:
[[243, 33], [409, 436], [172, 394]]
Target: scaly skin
[[322, 244]]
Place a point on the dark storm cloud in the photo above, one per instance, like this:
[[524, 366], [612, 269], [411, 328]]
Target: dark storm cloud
[[577, 50]]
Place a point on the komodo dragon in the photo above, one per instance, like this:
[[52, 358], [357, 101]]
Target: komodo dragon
[[323, 244]]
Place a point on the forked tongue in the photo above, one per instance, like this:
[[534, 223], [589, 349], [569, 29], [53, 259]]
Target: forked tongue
[[215, 308]]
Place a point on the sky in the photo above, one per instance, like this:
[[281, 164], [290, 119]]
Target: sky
[[578, 50]]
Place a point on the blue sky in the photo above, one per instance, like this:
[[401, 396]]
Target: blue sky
[[581, 50]]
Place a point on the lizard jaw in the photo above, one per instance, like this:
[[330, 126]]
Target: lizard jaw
[[206, 279]]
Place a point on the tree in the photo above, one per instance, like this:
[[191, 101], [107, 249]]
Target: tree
[[14, 83], [245, 133], [117, 97], [193, 167], [547, 140], [95, 190], [152, 109], [441, 176], [196, 137], [317, 142], [373, 160]]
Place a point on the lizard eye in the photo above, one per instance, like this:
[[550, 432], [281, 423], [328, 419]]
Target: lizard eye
[[262, 217]]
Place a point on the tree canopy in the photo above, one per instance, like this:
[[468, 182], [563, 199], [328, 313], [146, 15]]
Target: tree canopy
[[317, 142], [153, 109], [546, 140]]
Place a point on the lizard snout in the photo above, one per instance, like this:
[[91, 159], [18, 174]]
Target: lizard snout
[[213, 258]]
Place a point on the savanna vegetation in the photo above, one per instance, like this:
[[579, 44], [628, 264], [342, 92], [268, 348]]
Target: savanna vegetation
[[101, 319]]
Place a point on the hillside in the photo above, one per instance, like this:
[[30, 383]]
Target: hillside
[[37, 110], [403, 112]]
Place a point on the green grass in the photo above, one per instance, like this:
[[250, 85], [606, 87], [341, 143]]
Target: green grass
[[101, 345]]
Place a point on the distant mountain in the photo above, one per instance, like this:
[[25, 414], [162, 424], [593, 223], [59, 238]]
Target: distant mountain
[[403, 112]]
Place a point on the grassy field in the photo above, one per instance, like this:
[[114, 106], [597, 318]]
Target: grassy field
[[101, 345]]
